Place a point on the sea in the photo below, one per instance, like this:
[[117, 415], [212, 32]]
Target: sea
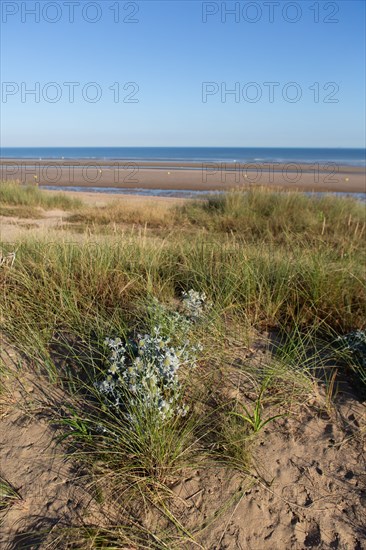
[[344, 156]]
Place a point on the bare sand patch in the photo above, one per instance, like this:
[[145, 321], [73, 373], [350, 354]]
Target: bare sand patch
[[49, 223], [46, 482]]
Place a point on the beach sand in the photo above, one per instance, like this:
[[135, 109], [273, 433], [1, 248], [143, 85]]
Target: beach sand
[[184, 176]]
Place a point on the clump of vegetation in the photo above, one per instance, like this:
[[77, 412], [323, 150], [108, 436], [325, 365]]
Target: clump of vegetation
[[262, 213], [254, 418], [254, 214], [137, 420], [119, 212], [8, 495], [31, 196]]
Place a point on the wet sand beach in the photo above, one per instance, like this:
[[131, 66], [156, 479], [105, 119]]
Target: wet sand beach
[[194, 176]]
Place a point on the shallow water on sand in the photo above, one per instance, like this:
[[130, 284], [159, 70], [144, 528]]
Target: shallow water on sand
[[176, 193]]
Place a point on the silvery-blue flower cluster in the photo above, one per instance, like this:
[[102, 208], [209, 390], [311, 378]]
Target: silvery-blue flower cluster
[[195, 304], [355, 343], [149, 374]]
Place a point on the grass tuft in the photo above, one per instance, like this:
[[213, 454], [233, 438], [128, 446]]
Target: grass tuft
[[15, 194]]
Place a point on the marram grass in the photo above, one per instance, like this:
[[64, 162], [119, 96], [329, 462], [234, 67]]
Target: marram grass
[[31, 196]]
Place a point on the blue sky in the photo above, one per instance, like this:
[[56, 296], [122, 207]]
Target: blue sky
[[170, 53]]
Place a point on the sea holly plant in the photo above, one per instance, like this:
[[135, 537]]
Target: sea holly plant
[[195, 304], [144, 374], [354, 346]]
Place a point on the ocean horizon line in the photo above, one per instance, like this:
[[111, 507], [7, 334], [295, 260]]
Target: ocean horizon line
[[305, 155]]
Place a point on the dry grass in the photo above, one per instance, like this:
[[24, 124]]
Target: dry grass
[[257, 214], [22, 212], [118, 212]]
